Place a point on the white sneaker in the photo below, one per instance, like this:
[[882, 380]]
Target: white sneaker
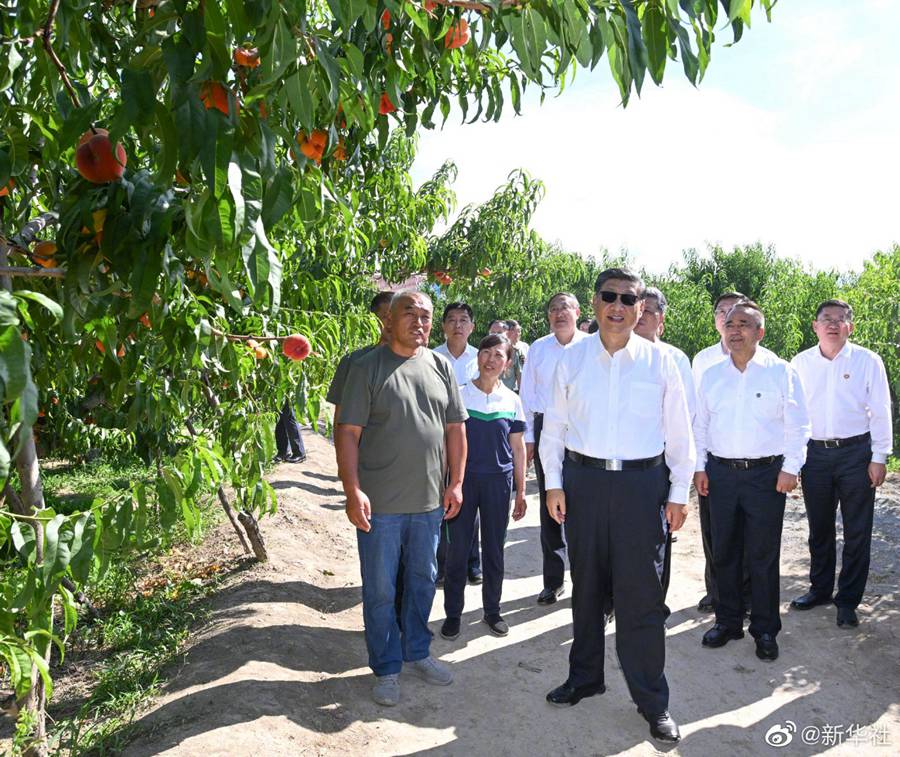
[[431, 671], [386, 690]]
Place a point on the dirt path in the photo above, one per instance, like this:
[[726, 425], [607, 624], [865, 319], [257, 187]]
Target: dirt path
[[281, 667]]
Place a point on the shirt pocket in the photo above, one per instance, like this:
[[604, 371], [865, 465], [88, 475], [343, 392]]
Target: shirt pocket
[[766, 404], [646, 399]]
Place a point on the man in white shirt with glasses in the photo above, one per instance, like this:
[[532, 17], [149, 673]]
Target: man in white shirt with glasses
[[535, 393], [849, 405]]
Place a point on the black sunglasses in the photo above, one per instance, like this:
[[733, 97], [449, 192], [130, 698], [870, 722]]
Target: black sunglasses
[[627, 299]]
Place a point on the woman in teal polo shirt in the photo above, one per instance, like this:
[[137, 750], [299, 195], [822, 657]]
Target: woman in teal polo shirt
[[496, 455]]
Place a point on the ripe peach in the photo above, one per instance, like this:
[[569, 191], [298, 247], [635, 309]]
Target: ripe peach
[[96, 160], [8, 188], [246, 56], [386, 106], [214, 95], [296, 347]]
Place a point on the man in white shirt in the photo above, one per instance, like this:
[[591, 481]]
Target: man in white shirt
[[751, 429], [651, 325], [458, 324], [712, 355], [536, 392], [618, 457], [849, 405]]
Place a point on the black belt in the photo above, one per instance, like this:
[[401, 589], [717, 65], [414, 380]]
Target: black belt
[[745, 463], [599, 462], [836, 443]]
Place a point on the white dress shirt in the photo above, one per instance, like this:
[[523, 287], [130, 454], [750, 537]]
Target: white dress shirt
[[847, 396], [627, 406], [465, 367], [684, 369], [755, 413], [535, 387], [713, 355]]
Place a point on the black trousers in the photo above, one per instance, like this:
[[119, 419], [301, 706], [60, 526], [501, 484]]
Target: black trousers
[[487, 495], [709, 572], [287, 432], [616, 532], [474, 561], [747, 515], [553, 542], [833, 476]]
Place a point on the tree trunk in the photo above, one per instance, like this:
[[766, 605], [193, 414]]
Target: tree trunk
[[32, 501], [253, 532]]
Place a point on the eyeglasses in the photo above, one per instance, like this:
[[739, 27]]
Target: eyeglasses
[[562, 308], [833, 321], [626, 299]]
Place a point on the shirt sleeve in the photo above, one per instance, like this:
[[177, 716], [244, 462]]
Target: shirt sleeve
[[797, 427], [552, 447], [701, 427], [336, 390], [356, 399], [527, 395], [880, 413], [681, 454], [517, 425], [687, 378]]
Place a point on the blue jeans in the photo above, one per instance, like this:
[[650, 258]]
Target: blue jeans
[[414, 539]]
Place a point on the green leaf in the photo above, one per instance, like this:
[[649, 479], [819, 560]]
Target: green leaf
[[655, 29], [14, 369], [53, 307], [637, 52]]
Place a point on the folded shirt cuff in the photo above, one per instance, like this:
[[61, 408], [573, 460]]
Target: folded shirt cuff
[[790, 466], [678, 494], [552, 481]]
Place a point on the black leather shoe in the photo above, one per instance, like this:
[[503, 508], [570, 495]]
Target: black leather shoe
[[706, 604], [568, 695], [450, 629], [475, 578], [846, 616], [662, 726], [719, 636], [767, 647], [810, 600], [549, 596]]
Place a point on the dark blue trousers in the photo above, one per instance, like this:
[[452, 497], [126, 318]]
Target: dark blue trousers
[[553, 542], [616, 532], [287, 432], [486, 495], [474, 557], [747, 515], [833, 476]]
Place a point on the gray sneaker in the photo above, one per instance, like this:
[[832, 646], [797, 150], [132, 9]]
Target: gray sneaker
[[386, 690], [431, 671]]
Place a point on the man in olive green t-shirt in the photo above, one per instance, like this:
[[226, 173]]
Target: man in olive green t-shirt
[[400, 410]]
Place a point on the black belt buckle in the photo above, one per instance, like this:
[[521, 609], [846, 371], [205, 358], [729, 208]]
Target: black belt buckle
[[741, 464], [832, 443]]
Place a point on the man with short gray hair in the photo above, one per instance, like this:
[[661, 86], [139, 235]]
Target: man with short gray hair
[[751, 429], [401, 411]]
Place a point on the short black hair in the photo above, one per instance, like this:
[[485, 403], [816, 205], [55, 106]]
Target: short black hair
[[653, 293], [512, 324], [619, 274], [835, 304], [382, 298], [560, 294], [503, 323], [729, 296], [458, 306], [492, 340]]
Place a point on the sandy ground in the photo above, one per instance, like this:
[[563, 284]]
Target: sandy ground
[[280, 669]]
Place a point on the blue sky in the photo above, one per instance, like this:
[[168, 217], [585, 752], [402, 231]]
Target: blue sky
[[790, 140]]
